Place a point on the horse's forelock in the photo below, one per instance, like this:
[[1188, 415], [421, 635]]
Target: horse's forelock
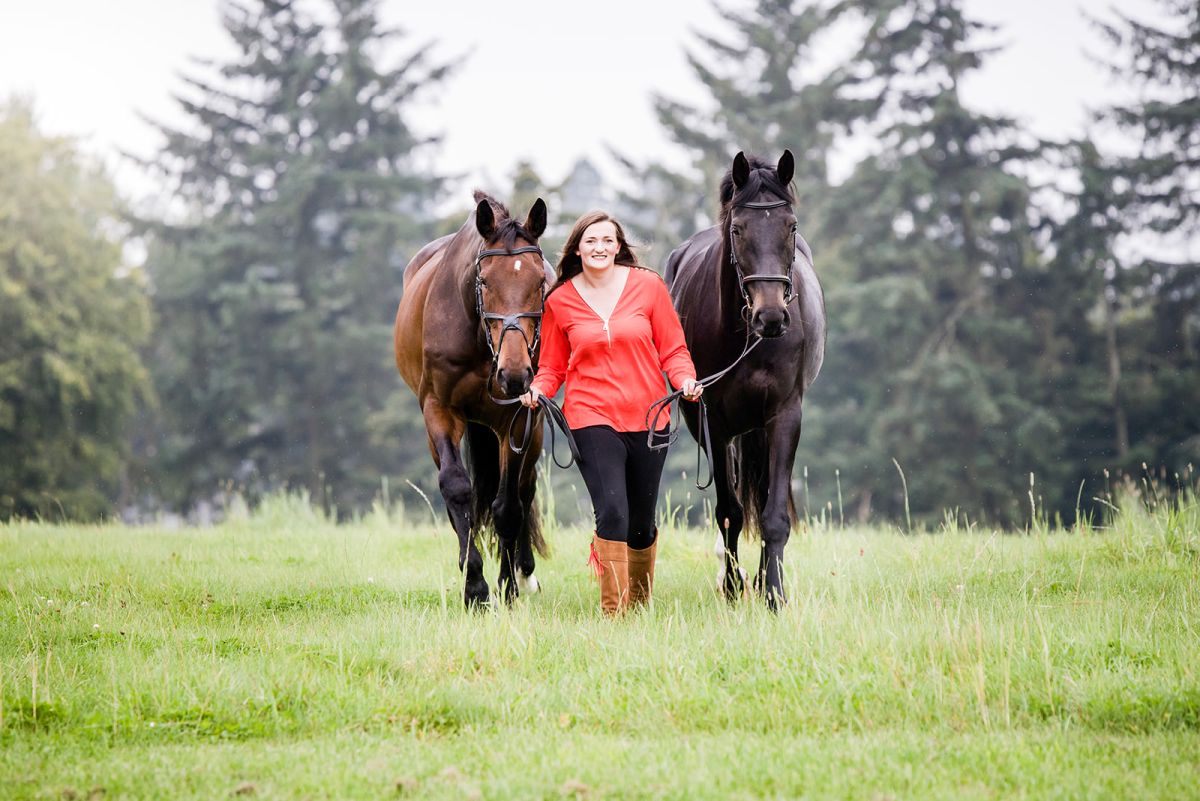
[[762, 179], [509, 230]]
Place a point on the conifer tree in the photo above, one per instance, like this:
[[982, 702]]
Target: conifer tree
[[73, 318], [764, 95], [930, 360], [303, 198], [1159, 206]]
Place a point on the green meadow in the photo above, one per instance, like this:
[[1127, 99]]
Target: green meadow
[[280, 655]]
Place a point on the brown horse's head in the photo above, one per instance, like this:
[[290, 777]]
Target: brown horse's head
[[760, 234], [510, 286]]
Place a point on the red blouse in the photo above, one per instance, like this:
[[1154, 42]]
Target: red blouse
[[613, 370]]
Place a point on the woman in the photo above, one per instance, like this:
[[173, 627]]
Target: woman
[[609, 330]]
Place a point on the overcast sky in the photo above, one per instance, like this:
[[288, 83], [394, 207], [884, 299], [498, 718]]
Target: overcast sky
[[91, 67]]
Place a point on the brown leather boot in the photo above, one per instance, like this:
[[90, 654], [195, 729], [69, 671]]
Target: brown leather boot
[[610, 562], [641, 574]]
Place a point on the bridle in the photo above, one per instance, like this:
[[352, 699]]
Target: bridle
[[508, 322], [511, 322], [789, 293]]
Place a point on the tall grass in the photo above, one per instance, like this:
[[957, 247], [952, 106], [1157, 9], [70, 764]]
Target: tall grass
[[282, 655]]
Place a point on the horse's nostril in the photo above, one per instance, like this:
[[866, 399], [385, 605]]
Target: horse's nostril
[[515, 382], [773, 328], [769, 325]]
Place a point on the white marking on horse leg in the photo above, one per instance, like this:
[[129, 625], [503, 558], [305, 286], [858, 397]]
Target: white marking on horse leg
[[719, 547], [528, 583]]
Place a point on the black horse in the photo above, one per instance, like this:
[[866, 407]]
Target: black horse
[[750, 277]]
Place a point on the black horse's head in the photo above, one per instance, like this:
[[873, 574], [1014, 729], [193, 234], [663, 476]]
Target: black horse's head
[[509, 287], [759, 226]]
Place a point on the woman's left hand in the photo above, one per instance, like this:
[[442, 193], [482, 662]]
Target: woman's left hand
[[692, 389]]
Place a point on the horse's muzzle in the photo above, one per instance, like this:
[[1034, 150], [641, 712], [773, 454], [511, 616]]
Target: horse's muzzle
[[770, 323], [514, 382]]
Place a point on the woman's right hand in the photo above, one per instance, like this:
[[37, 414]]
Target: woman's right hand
[[530, 398]]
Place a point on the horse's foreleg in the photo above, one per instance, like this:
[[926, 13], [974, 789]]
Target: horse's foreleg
[[508, 516], [445, 432], [731, 577], [783, 435]]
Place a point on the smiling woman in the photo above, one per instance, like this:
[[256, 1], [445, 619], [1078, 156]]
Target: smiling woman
[[609, 333]]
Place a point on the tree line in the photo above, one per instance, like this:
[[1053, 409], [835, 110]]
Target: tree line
[[1006, 339]]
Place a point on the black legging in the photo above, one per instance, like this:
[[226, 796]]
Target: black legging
[[622, 476]]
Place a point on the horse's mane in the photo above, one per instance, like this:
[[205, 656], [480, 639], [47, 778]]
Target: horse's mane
[[762, 179], [507, 228]]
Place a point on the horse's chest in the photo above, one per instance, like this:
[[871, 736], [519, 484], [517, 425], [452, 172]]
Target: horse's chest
[[760, 383]]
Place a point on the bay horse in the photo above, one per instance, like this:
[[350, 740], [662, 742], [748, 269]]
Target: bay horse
[[466, 342], [751, 276]]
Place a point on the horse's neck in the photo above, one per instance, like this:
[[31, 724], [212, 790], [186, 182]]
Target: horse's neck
[[729, 289], [460, 259]]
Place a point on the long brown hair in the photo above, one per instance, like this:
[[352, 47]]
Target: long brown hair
[[569, 263]]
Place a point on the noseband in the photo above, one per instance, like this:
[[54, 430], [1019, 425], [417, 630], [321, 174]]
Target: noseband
[[508, 322], [788, 292]]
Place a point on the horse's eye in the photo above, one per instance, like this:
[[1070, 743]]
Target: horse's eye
[[736, 231], [794, 228], [482, 284]]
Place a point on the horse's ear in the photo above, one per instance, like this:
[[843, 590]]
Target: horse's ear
[[535, 223], [485, 220], [786, 168], [741, 170]]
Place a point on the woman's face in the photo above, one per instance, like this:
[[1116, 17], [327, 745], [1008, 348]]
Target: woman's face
[[598, 247]]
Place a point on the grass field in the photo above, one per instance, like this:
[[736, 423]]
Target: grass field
[[282, 656]]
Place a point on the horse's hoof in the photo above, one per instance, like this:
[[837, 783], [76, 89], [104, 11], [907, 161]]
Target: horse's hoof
[[528, 584], [774, 596], [477, 597]]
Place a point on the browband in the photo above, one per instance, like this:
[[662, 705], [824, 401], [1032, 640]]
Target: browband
[[763, 204]]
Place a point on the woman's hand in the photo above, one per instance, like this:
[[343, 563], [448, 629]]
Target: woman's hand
[[692, 390], [530, 398]]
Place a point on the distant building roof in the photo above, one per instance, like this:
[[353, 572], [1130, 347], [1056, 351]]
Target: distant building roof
[[583, 189]]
